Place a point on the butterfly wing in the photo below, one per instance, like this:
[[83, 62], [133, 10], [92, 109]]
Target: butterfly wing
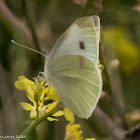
[[72, 66], [84, 32], [78, 83]]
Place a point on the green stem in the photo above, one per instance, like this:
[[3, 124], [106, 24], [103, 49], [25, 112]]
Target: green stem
[[38, 120], [37, 110]]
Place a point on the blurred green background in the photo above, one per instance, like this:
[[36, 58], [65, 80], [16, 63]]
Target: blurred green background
[[38, 24]]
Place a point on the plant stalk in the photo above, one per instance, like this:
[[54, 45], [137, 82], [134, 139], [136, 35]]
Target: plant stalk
[[37, 121]]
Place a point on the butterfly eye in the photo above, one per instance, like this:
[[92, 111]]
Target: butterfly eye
[[81, 45]]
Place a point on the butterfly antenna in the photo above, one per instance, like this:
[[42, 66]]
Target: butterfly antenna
[[28, 48]]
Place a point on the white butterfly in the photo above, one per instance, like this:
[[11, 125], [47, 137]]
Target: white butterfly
[[71, 67]]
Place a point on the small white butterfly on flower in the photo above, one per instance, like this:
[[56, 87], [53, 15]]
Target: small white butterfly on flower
[[71, 67]]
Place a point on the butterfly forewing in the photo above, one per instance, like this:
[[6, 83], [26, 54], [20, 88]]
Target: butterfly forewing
[[80, 39]]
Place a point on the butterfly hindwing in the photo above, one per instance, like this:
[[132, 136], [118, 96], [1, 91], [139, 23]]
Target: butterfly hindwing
[[79, 82]]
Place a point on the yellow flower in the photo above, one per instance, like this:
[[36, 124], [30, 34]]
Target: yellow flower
[[52, 95], [38, 92], [69, 116], [89, 139], [25, 84], [73, 133]]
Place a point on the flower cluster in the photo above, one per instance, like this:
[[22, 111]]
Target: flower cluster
[[39, 93], [73, 133]]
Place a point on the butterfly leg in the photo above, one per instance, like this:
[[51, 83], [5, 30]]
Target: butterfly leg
[[41, 76]]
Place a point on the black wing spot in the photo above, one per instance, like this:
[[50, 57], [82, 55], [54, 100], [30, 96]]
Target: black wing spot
[[82, 45]]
